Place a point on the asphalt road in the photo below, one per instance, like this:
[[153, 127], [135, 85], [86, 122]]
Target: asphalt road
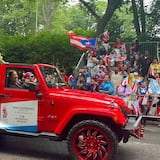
[[18, 148]]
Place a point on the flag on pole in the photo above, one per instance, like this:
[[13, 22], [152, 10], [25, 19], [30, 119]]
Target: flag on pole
[[136, 108], [125, 81], [123, 48], [82, 43], [135, 85], [106, 36], [122, 58]]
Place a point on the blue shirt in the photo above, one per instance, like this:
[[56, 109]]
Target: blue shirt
[[107, 86], [142, 91]]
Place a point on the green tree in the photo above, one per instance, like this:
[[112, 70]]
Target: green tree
[[16, 16], [121, 24], [25, 16], [153, 19], [81, 19], [43, 47], [49, 8], [102, 20], [139, 21]]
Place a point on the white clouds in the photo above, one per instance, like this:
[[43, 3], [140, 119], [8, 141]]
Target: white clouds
[[148, 2]]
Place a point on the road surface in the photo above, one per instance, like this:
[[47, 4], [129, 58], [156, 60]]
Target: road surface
[[19, 148]]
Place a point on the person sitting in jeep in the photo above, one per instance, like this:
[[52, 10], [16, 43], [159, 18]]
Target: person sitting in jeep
[[13, 81], [27, 78]]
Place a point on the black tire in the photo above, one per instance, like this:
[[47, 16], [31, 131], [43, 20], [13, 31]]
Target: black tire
[[92, 140]]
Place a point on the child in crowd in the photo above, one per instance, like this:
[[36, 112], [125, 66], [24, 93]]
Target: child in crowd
[[87, 75], [81, 84], [93, 86], [143, 93], [74, 79]]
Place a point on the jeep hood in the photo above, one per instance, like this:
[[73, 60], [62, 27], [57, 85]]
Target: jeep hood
[[85, 96]]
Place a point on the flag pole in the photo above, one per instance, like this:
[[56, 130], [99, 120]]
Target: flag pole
[[81, 59]]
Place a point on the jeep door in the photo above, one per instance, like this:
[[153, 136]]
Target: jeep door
[[19, 107]]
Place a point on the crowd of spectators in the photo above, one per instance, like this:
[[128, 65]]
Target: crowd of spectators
[[115, 67], [116, 70]]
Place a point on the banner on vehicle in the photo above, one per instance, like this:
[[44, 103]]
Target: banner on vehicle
[[20, 116]]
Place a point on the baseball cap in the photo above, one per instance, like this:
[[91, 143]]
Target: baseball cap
[[28, 74]]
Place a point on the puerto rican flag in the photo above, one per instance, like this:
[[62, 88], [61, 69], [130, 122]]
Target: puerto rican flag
[[122, 58], [125, 81], [136, 108], [82, 43], [106, 36], [70, 78], [107, 59], [135, 85], [124, 48]]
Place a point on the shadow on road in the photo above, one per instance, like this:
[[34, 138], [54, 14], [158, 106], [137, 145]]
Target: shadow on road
[[20, 148], [34, 148]]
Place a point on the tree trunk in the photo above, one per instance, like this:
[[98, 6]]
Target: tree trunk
[[112, 6], [48, 9], [142, 13], [102, 21], [135, 18]]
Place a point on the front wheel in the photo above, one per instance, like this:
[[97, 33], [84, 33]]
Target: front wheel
[[92, 140]]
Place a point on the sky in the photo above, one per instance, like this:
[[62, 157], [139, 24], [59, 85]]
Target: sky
[[147, 4]]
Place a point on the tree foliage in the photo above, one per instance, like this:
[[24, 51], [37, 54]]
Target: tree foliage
[[16, 16], [153, 22], [43, 47], [102, 20], [145, 21], [23, 16], [20, 19], [49, 9]]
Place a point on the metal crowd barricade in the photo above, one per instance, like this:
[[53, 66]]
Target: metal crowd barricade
[[153, 105]]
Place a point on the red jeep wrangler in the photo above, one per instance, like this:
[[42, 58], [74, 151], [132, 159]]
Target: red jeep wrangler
[[92, 123]]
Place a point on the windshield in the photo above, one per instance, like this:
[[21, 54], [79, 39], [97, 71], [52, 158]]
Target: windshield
[[51, 76]]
